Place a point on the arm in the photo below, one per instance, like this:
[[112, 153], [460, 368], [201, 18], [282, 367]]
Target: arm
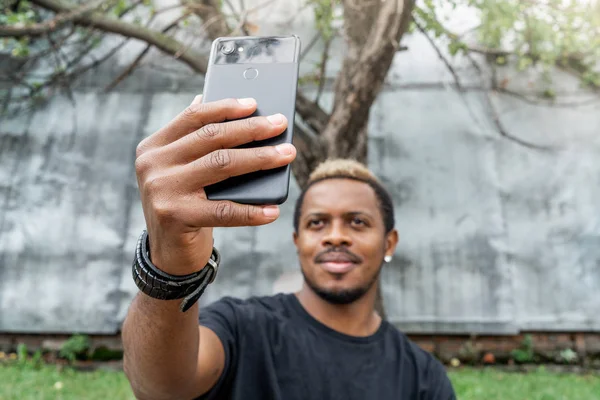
[[167, 355]]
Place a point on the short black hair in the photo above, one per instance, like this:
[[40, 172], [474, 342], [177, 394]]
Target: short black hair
[[386, 205]]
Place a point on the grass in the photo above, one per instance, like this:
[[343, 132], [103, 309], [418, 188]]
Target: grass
[[50, 383], [493, 384], [23, 382]]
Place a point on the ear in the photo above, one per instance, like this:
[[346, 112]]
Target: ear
[[295, 236], [391, 240]]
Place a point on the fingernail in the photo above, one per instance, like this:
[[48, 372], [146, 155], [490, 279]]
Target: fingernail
[[247, 101], [271, 211], [285, 149], [197, 99], [276, 119]]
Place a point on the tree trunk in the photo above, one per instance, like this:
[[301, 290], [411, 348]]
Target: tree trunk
[[372, 31]]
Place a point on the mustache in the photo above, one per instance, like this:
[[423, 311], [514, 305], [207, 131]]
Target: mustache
[[351, 256]]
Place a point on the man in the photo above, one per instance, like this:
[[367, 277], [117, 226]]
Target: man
[[324, 342]]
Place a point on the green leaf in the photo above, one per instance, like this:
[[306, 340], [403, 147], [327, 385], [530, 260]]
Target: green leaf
[[524, 62], [96, 41], [455, 46], [21, 353], [549, 94], [323, 11], [568, 356], [591, 79], [119, 7], [20, 50], [75, 346]]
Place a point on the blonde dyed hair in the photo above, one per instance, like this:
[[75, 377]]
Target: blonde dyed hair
[[339, 168], [349, 169]]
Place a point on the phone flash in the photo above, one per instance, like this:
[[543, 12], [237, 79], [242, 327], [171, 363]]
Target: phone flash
[[240, 49]]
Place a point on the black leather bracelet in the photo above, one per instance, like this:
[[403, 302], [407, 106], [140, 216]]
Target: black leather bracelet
[[160, 285]]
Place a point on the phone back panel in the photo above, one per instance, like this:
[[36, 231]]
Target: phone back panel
[[267, 70]]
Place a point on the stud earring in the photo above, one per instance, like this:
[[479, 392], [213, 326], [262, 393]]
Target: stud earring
[[387, 259]]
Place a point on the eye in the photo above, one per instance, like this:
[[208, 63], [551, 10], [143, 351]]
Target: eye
[[356, 221], [314, 223]]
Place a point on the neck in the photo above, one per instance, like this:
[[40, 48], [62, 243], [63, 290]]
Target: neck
[[355, 319]]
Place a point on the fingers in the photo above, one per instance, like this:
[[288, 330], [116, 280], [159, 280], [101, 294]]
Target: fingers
[[172, 203], [195, 116], [192, 212], [225, 163], [229, 214], [216, 136]]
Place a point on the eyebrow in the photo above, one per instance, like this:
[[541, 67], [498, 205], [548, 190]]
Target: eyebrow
[[346, 214]]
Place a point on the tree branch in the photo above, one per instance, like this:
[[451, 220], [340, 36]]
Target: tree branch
[[502, 130], [440, 55], [62, 76], [127, 71], [548, 103], [312, 114], [310, 45], [20, 30], [210, 10], [33, 59], [494, 113], [365, 67], [243, 18], [310, 152], [575, 64], [498, 123], [161, 41], [141, 56], [323, 69]]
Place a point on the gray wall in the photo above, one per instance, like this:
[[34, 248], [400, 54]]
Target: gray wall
[[495, 237]]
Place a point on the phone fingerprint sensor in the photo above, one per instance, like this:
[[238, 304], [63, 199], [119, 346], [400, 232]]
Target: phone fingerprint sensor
[[251, 73]]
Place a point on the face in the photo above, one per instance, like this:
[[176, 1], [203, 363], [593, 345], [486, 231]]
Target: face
[[341, 240]]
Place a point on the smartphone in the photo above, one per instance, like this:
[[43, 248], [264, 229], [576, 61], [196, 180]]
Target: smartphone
[[266, 69]]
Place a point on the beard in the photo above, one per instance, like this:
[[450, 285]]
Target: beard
[[341, 296]]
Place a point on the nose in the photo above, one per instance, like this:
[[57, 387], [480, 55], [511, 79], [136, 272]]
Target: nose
[[336, 235]]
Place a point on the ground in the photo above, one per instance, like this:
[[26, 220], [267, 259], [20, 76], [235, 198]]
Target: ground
[[491, 384], [47, 382]]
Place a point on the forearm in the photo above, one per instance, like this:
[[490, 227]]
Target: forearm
[[161, 348]]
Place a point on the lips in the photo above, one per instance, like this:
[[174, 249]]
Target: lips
[[338, 262], [337, 258]]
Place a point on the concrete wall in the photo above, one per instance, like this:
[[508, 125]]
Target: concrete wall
[[495, 237]]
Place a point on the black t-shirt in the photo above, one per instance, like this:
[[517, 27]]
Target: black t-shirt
[[275, 350]]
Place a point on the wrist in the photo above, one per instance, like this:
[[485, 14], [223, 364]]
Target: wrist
[[162, 285], [176, 259]]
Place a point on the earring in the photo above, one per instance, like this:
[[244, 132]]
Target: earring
[[387, 259]]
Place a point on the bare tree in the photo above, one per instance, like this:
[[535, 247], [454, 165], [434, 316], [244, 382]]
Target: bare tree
[[372, 32], [372, 29]]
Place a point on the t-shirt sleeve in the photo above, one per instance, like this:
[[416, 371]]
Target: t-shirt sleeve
[[439, 385], [221, 317]]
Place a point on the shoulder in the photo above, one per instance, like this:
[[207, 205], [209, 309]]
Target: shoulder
[[252, 307], [411, 349], [267, 303], [232, 319], [435, 383]]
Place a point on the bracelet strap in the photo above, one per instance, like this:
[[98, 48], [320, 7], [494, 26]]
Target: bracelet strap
[[160, 285]]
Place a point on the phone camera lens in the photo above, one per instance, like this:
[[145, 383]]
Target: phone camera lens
[[227, 48]]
